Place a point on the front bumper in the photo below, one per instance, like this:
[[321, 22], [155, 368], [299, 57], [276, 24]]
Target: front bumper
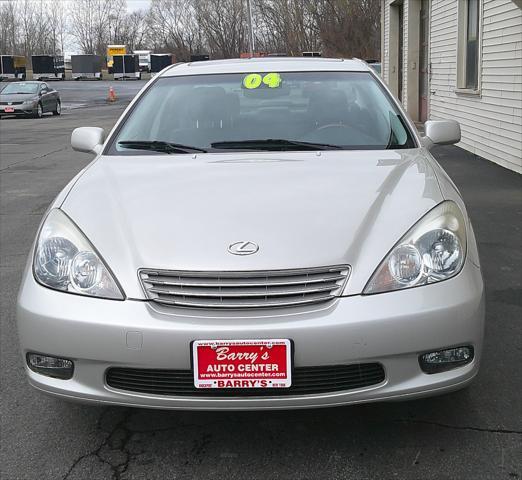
[[391, 328], [18, 109]]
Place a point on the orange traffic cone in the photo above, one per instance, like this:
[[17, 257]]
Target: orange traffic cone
[[112, 95]]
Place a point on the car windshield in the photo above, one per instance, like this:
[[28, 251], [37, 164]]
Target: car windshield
[[266, 111], [20, 88]]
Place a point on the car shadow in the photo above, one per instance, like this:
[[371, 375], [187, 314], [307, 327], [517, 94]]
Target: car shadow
[[27, 117]]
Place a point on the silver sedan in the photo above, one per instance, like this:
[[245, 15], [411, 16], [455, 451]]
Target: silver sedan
[[255, 234]]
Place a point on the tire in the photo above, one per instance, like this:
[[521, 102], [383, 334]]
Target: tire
[[58, 109], [39, 111]]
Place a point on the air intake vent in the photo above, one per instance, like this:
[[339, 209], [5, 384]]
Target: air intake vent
[[255, 289], [305, 381]]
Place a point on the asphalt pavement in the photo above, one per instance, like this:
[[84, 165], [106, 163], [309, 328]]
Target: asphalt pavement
[[80, 94], [475, 433]]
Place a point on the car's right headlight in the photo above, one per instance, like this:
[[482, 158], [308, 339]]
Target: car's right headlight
[[434, 249], [65, 260]]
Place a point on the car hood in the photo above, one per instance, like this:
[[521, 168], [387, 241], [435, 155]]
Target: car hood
[[17, 97], [303, 209]]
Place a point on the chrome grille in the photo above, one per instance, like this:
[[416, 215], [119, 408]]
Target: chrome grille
[[11, 103], [254, 289]]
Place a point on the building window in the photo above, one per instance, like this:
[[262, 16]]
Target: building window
[[468, 46], [472, 45]]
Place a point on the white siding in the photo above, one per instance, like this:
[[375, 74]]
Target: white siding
[[492, 121], [404, 99], [386, 48], [386, 43]]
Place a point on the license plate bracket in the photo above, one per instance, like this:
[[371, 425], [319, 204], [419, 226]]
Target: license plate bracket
[[242, 364]]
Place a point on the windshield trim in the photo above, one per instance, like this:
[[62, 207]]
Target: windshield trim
[[110, 143]]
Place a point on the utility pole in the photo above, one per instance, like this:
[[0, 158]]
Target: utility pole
[[250, 28]]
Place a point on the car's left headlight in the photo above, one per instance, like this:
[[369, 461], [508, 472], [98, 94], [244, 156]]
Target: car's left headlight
[[65, 260], [29, 102], [434, 249]]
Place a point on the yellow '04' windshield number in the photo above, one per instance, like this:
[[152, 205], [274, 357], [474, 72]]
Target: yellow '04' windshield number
[[255, 80]]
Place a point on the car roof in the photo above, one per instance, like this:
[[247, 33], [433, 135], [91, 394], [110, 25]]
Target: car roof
[[266, 64], [28, 81]]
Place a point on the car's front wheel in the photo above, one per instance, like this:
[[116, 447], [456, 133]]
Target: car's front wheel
[[58, 108], [39, 111]]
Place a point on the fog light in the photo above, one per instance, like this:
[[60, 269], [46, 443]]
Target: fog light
[[443, 360], [50, 366]]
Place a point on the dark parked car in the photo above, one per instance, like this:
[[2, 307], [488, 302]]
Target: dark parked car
[[29, 98]]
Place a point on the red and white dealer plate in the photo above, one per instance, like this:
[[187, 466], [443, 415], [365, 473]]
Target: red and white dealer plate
[[242, 363], [8, 109]]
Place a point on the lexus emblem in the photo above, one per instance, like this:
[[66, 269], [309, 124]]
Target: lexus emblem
[[243, 248]]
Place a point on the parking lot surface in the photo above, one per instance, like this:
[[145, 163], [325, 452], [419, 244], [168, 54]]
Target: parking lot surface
[[79, 94], [475, 433]]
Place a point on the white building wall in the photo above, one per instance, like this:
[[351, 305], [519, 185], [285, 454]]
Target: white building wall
[[385, 60], [385, 47], [405, 57], [491, 121]]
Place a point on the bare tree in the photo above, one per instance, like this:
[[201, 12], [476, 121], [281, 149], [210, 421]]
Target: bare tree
[[349, 27], [92, 20], [134, 31], [286, 26], [27, 21], [174, 27], [30, 27], [57, 18], [183, 27], [223, 25], [9, 39]]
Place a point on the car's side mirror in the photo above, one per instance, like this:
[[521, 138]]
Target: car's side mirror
[[441, 132], [88, 139]]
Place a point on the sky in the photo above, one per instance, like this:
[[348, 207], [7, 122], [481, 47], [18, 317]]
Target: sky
[[133, 5]]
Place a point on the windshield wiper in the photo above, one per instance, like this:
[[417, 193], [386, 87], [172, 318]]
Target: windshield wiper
[[159, 146], [277, 144]]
